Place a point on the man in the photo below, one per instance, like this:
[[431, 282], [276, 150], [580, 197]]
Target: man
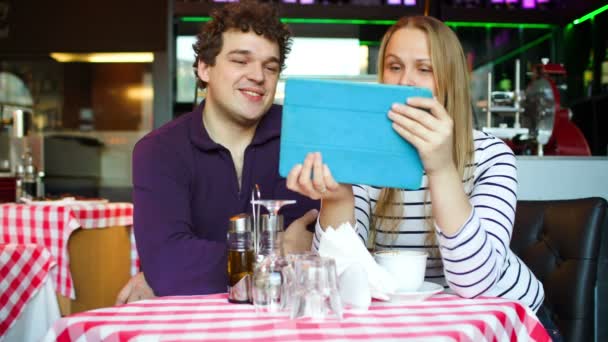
[[195, 172]]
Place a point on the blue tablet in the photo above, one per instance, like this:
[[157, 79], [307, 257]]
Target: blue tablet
[[347, 122]]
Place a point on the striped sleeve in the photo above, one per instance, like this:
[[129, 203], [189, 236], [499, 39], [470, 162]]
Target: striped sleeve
[[474, 257], [362, 212], [316, 239]]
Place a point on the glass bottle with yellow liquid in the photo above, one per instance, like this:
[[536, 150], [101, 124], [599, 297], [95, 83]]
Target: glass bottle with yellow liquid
[[241, 258]]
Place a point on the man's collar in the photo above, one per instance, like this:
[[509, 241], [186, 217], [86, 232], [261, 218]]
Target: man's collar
[[268, 129], [198, 134]]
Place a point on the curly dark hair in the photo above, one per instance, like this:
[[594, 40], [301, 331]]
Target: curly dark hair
[[262, 18]]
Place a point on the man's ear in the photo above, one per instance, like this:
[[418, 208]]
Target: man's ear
[[202, 71]]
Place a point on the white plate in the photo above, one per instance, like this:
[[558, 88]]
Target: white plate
[[425, 291]]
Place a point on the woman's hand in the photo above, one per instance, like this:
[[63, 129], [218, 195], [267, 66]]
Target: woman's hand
[[431, 133], [314, 180]]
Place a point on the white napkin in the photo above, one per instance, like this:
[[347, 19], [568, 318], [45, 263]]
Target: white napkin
[[355, 265], [354, 287]]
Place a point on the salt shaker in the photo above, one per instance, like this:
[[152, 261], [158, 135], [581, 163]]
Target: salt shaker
[[270, 242]]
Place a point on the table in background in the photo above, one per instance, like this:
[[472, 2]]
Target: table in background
[[443, 317], [92, 264], [24, 277]]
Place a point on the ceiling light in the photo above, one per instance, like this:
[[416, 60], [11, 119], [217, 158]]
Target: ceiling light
[[105, 57]]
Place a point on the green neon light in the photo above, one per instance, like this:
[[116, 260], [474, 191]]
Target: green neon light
[[388, 22], [337, 21], [194, 19], [311, 21], [369, 43], [590, 15], [498, 25], [519, 50]]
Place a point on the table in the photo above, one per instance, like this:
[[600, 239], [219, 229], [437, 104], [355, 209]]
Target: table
[[24, 271], [55, 226], [443, 317]]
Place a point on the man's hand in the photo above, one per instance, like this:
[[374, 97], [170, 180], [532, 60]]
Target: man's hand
[[296, 238], [136, 289]]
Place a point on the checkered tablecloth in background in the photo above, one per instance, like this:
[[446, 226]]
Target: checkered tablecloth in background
[[23, 270], [443, 317], [50, 225]]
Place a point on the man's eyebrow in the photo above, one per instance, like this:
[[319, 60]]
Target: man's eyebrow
[[239, 52], [272, 60]]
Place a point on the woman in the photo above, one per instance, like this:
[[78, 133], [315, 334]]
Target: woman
[[463, 213]]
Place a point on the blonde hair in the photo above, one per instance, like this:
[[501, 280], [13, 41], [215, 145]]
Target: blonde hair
[[452, 85]]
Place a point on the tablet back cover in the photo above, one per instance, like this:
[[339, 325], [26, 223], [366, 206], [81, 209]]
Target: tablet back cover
[[347, 122]]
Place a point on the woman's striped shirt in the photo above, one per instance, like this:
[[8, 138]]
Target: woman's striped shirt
[[476, 260]]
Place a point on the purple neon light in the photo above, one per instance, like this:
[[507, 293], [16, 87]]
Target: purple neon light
[[409, 2], [543, 1], [393, 2], [512, 1], [307, 2], [528, 4], [498, 1]]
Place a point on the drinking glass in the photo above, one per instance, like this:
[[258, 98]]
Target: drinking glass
[[273, 207], [316, 291], [268, 283], [289, 277]]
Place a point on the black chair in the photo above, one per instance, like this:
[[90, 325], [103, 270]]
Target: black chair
[[564, 242]]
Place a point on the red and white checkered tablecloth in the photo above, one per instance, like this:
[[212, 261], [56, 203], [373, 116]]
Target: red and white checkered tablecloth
[[443, 317], [23, 270], [50, 225]]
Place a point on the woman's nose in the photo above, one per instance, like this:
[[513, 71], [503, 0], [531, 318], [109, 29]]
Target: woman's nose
[[407, 79]]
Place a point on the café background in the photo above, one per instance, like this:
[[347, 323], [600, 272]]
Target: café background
[[99, 110]]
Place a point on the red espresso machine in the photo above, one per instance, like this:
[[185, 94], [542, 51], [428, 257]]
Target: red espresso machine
[[541, 125], [542, 105]]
